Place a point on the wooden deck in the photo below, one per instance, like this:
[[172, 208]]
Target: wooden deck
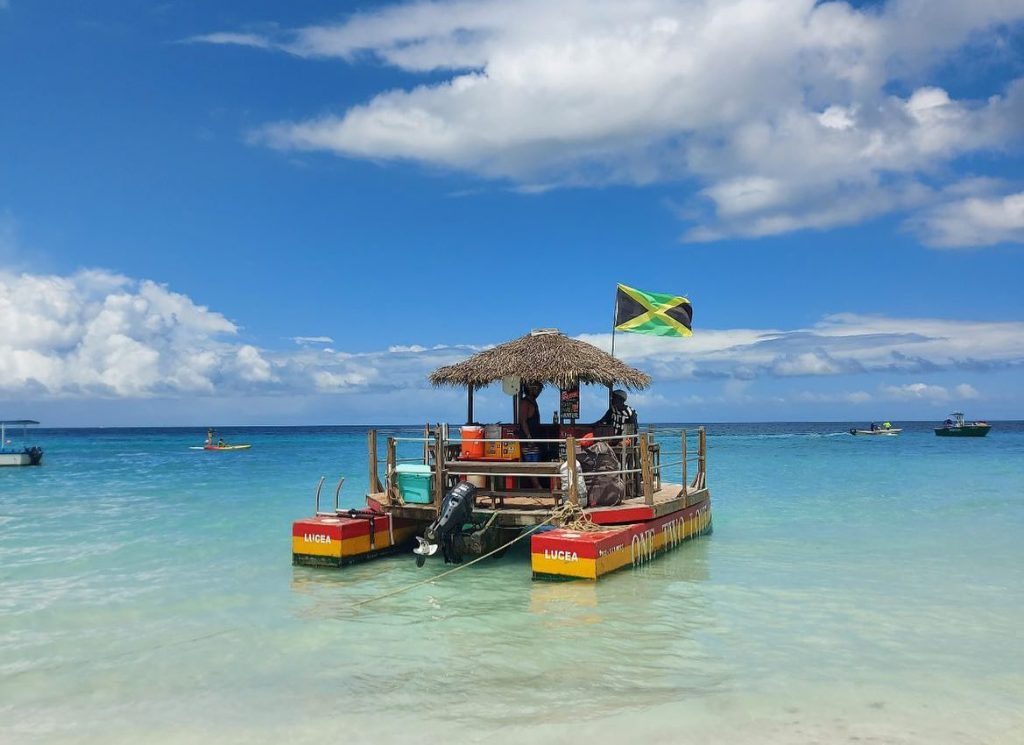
[[524, 508]]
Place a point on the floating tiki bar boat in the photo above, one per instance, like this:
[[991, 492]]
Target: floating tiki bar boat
[[475, 494]]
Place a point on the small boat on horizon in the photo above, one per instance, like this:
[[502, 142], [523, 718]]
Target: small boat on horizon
[[957, 427], [885, 430], [213, 442], [18, 456]]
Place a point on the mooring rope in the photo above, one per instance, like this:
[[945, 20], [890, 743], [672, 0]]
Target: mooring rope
[[569, 516], [573, 517]]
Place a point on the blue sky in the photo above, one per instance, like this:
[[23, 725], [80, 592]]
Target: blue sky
[[289, 213]]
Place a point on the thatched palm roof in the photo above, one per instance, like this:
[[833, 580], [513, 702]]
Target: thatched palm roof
[[546, 355]]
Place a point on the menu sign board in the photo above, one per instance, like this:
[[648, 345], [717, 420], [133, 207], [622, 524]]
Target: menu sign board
[[569, 403]]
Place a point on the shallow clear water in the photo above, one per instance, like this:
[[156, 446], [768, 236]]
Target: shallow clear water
[[854, 589]]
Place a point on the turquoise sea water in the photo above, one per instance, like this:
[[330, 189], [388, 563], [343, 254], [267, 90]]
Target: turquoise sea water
[[854, 589]]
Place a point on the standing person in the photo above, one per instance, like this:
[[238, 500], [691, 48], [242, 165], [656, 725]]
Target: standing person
[[619, 414], [529, 412], [529, 419]]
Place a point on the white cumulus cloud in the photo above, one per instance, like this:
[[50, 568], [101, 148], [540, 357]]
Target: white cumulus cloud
[[783, 111], [974, 221], [95, 334], [839, 344], [924, 391], [966, 391], [916, 391]]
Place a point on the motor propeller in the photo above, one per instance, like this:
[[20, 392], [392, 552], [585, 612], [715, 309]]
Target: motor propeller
[[445, 532]]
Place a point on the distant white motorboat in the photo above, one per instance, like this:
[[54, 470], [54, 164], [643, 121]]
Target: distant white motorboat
[[18, 456], [885, 430]]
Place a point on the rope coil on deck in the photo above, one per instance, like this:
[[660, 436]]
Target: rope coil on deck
[[571, 516]]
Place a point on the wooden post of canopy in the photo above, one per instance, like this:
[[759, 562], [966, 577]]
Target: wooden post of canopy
[[570, 458], [375, 485], [426, 444], [469, 406], [685, 482], [645, 470], [391, 476]]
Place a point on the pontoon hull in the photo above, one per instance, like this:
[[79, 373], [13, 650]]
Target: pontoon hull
[[568, 554], [337, 540], [968, 430], [20, 459]]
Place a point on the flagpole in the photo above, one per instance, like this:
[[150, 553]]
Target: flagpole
[[614, 311]]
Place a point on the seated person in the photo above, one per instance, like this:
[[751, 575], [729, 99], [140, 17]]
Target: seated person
[[605, 486], [619, 415]]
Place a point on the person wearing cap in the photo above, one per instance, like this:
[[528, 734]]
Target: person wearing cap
[[619, 414]]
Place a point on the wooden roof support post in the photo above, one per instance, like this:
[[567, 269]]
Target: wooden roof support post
[[391, 476], [570, 459], [371, 457], [645, 470], [469, 407]]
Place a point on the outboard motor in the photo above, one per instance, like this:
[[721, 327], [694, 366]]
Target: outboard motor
[[446, 530]]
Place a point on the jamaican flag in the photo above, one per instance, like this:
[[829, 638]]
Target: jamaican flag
[[652, 313]]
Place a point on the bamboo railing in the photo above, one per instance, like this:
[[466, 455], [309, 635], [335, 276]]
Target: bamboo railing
[[643, 450]]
